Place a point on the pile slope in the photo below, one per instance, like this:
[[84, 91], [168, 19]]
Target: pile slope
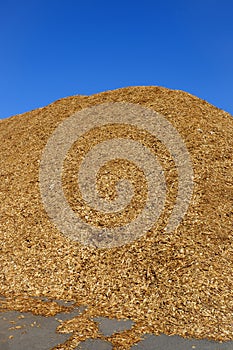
[[178, 282]]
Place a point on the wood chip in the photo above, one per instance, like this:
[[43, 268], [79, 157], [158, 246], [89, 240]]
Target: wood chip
[[178, 282]]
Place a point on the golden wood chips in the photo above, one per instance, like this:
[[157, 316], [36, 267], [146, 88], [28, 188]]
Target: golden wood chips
[[177, 282]]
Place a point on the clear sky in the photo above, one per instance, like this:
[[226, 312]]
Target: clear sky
[[56, 48]]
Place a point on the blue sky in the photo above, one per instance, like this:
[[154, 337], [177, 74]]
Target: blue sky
[[57, 48]]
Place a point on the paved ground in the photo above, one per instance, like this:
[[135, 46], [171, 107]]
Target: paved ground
[[24, 331]]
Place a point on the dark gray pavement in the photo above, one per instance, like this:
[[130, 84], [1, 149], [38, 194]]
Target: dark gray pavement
[[25, 331]]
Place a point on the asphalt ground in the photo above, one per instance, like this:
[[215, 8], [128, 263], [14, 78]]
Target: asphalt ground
[[25, 331]]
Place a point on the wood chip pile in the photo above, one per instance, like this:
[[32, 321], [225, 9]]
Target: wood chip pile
[[178, 282]]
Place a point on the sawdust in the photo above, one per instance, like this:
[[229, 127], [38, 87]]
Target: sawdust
[[174, 283]]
